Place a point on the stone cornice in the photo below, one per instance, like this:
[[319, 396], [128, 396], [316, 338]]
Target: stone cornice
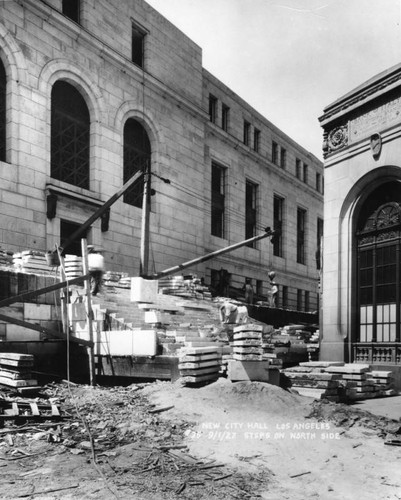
[[372, 89]]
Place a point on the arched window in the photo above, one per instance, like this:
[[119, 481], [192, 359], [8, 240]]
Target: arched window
[[378, 238], [136, 157], [70, 125], [3, 82]]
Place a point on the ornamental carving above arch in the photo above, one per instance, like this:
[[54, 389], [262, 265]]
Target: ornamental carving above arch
[[336, 139]]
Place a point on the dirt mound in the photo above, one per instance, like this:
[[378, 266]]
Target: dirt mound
[[270, 398]]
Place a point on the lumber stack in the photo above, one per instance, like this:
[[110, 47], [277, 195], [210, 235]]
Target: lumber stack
[[16, 370], [247, 342], [199, 364]]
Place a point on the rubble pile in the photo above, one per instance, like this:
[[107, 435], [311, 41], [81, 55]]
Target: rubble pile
[[346, 416], [336, 380], [110, 443]]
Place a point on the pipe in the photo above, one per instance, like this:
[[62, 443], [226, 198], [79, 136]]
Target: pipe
[[198, 260]]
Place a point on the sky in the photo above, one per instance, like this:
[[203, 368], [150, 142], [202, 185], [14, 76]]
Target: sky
[[289, 59]]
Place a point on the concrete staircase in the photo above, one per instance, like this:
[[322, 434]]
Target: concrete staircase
[[179, 314]]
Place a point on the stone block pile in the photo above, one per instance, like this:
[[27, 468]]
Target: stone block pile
[[199, 364], [337, 380], [247, 342]]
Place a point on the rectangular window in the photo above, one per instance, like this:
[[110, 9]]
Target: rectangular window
[[250, 212], [138, 45], [305, 178], [319, 236], [259, 290], [212, 108], [3, 102], [71, 9], [318, 182], [256, 140], [306, 300], [283, 158], [298, 168], [275, 153], [225, 116], [278, 205], [299, 300], [247, 131], [284, 296], [301, 224], [218, 200]]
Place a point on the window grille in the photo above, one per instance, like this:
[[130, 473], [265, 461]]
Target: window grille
[[70, 126], [3, 82], [218, 200]]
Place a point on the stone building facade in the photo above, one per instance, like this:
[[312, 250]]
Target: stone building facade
[[91, 92], [361, 277]]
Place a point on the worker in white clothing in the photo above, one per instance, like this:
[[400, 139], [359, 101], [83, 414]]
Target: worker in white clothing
[[95, 268]]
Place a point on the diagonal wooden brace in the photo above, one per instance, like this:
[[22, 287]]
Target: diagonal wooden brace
[[24, 297], [49, 333]]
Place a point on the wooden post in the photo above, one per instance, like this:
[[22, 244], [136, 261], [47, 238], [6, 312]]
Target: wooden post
[[64, 312], [144, 255], [89, 312]]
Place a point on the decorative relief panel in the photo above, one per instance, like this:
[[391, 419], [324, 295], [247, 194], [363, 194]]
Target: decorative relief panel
[[378, 119], [335, 139]]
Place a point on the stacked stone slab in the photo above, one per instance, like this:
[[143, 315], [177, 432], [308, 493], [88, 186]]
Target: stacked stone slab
[[199, 364], [330, 380], [311, 380], [6, 258], [73, 266], [247, 342], [270, 354], [360, 381], [16, 370], [383, 381]]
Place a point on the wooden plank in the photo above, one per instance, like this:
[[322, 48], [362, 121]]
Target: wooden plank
[[16, 356], [34, 409]]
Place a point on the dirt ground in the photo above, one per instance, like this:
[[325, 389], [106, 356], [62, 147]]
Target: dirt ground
[[161, 440]]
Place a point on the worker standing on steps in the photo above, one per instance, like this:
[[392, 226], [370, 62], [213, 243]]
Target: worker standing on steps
[[95, 268]]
